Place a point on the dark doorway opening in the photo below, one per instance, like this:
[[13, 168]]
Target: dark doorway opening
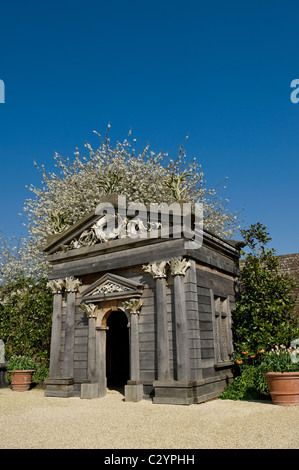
[[117, 349]]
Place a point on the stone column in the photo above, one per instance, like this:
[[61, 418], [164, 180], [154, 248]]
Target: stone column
[[134, 387], [89, 389], [61, 383], [95, 385], [178, 267], [101, 379], [91, 365], [56, 385], [71, 287], [158, 271], [178, 391], [56, 287]]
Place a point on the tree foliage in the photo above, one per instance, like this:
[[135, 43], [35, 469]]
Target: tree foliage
[[25, 317], [264, 312]]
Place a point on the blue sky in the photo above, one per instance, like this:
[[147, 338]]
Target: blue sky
[[218, 71]]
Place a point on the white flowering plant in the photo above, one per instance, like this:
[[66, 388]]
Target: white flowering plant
[[73, 191]]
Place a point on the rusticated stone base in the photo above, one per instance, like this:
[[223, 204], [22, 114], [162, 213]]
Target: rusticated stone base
[[92, 390], [57, 387], [133, 391], [188, 392], [173, 392]]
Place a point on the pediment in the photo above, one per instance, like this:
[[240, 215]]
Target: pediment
[[76, 236], [99, 228], [96, 229], [111, 286]]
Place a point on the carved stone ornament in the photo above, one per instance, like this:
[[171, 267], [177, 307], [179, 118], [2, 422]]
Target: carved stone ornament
[[179, 266], [103, 231], [110, 227], [56, 286], [156, 269], [72, 284], [133, 305], [90, 309], [109, 287], [87, 238]]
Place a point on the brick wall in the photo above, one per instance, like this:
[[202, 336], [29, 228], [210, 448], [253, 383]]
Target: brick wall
[[289, 264]]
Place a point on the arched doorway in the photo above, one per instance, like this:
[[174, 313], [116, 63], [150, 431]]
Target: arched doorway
[[117, 349]]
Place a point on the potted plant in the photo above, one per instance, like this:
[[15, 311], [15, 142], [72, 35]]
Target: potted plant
[[20, 369], [281, 370]]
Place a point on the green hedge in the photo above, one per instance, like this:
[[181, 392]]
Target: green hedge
[[26, 317]]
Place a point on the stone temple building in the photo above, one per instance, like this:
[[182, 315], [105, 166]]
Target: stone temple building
[[150, 313]]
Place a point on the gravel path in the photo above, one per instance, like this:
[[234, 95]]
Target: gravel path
[[28, 420]]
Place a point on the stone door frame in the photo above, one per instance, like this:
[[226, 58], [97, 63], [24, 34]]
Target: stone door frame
[[103, 304]]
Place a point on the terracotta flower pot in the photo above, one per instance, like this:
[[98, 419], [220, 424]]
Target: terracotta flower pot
[[283, 387], [21, 380]]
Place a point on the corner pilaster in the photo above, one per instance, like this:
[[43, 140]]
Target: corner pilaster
[[91, 311], [180, 390], [158, 271], [71, 287], [178, 268], [61, 382], [57, 286]]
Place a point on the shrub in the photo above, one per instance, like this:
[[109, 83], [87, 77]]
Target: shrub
[[21, 363], [264, 312], [263, 317], [41, 373], [25, 317], [249, 385]]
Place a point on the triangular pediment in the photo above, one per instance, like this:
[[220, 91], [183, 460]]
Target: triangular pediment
[[111, 286], [121, 222], [98, 229], [84, 233], [70, 237]]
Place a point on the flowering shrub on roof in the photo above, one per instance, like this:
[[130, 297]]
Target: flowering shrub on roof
[[142, 176]]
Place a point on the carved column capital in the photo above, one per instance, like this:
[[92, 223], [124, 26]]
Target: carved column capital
[[157, 269], [179, 266], [133, 305], [72, 284], [56, 286], [90, 309]]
